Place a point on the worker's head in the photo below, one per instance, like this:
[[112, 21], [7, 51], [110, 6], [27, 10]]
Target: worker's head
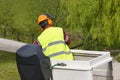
[[44, 20]]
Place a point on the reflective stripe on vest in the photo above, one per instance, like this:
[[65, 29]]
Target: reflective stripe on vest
[[57, 53], [53, 44]]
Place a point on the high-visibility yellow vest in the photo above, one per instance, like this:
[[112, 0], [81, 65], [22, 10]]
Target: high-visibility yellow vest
[[53, 44]]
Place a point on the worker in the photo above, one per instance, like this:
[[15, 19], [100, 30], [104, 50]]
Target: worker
[[53, 40]]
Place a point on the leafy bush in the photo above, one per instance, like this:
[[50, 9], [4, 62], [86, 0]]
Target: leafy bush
[[118, 57]]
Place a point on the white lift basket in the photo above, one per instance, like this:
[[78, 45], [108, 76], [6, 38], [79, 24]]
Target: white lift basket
[[88, 65]]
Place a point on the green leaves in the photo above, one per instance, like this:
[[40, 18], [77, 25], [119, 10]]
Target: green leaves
[[97, 22]]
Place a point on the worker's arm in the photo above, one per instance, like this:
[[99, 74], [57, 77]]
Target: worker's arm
[[37, 43], [66, 38]]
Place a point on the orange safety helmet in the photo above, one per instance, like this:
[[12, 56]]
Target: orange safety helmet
[[44, 17]]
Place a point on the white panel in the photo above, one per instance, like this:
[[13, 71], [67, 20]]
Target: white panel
[[60, 74]]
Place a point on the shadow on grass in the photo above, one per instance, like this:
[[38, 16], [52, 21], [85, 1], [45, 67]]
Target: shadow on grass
[[7, 57]]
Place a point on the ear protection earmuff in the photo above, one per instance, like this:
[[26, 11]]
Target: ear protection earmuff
[[50, 22], [44, 23], [49, 19], [44, 20]]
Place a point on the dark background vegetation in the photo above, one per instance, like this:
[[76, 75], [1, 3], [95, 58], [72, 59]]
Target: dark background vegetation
[[93, 24]]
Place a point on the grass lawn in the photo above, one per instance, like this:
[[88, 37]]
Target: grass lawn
[[8, 68]]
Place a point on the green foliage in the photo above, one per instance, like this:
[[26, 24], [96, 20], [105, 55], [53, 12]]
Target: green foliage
[[118, 57], [95, 23], [108, 33], [6, 17]]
